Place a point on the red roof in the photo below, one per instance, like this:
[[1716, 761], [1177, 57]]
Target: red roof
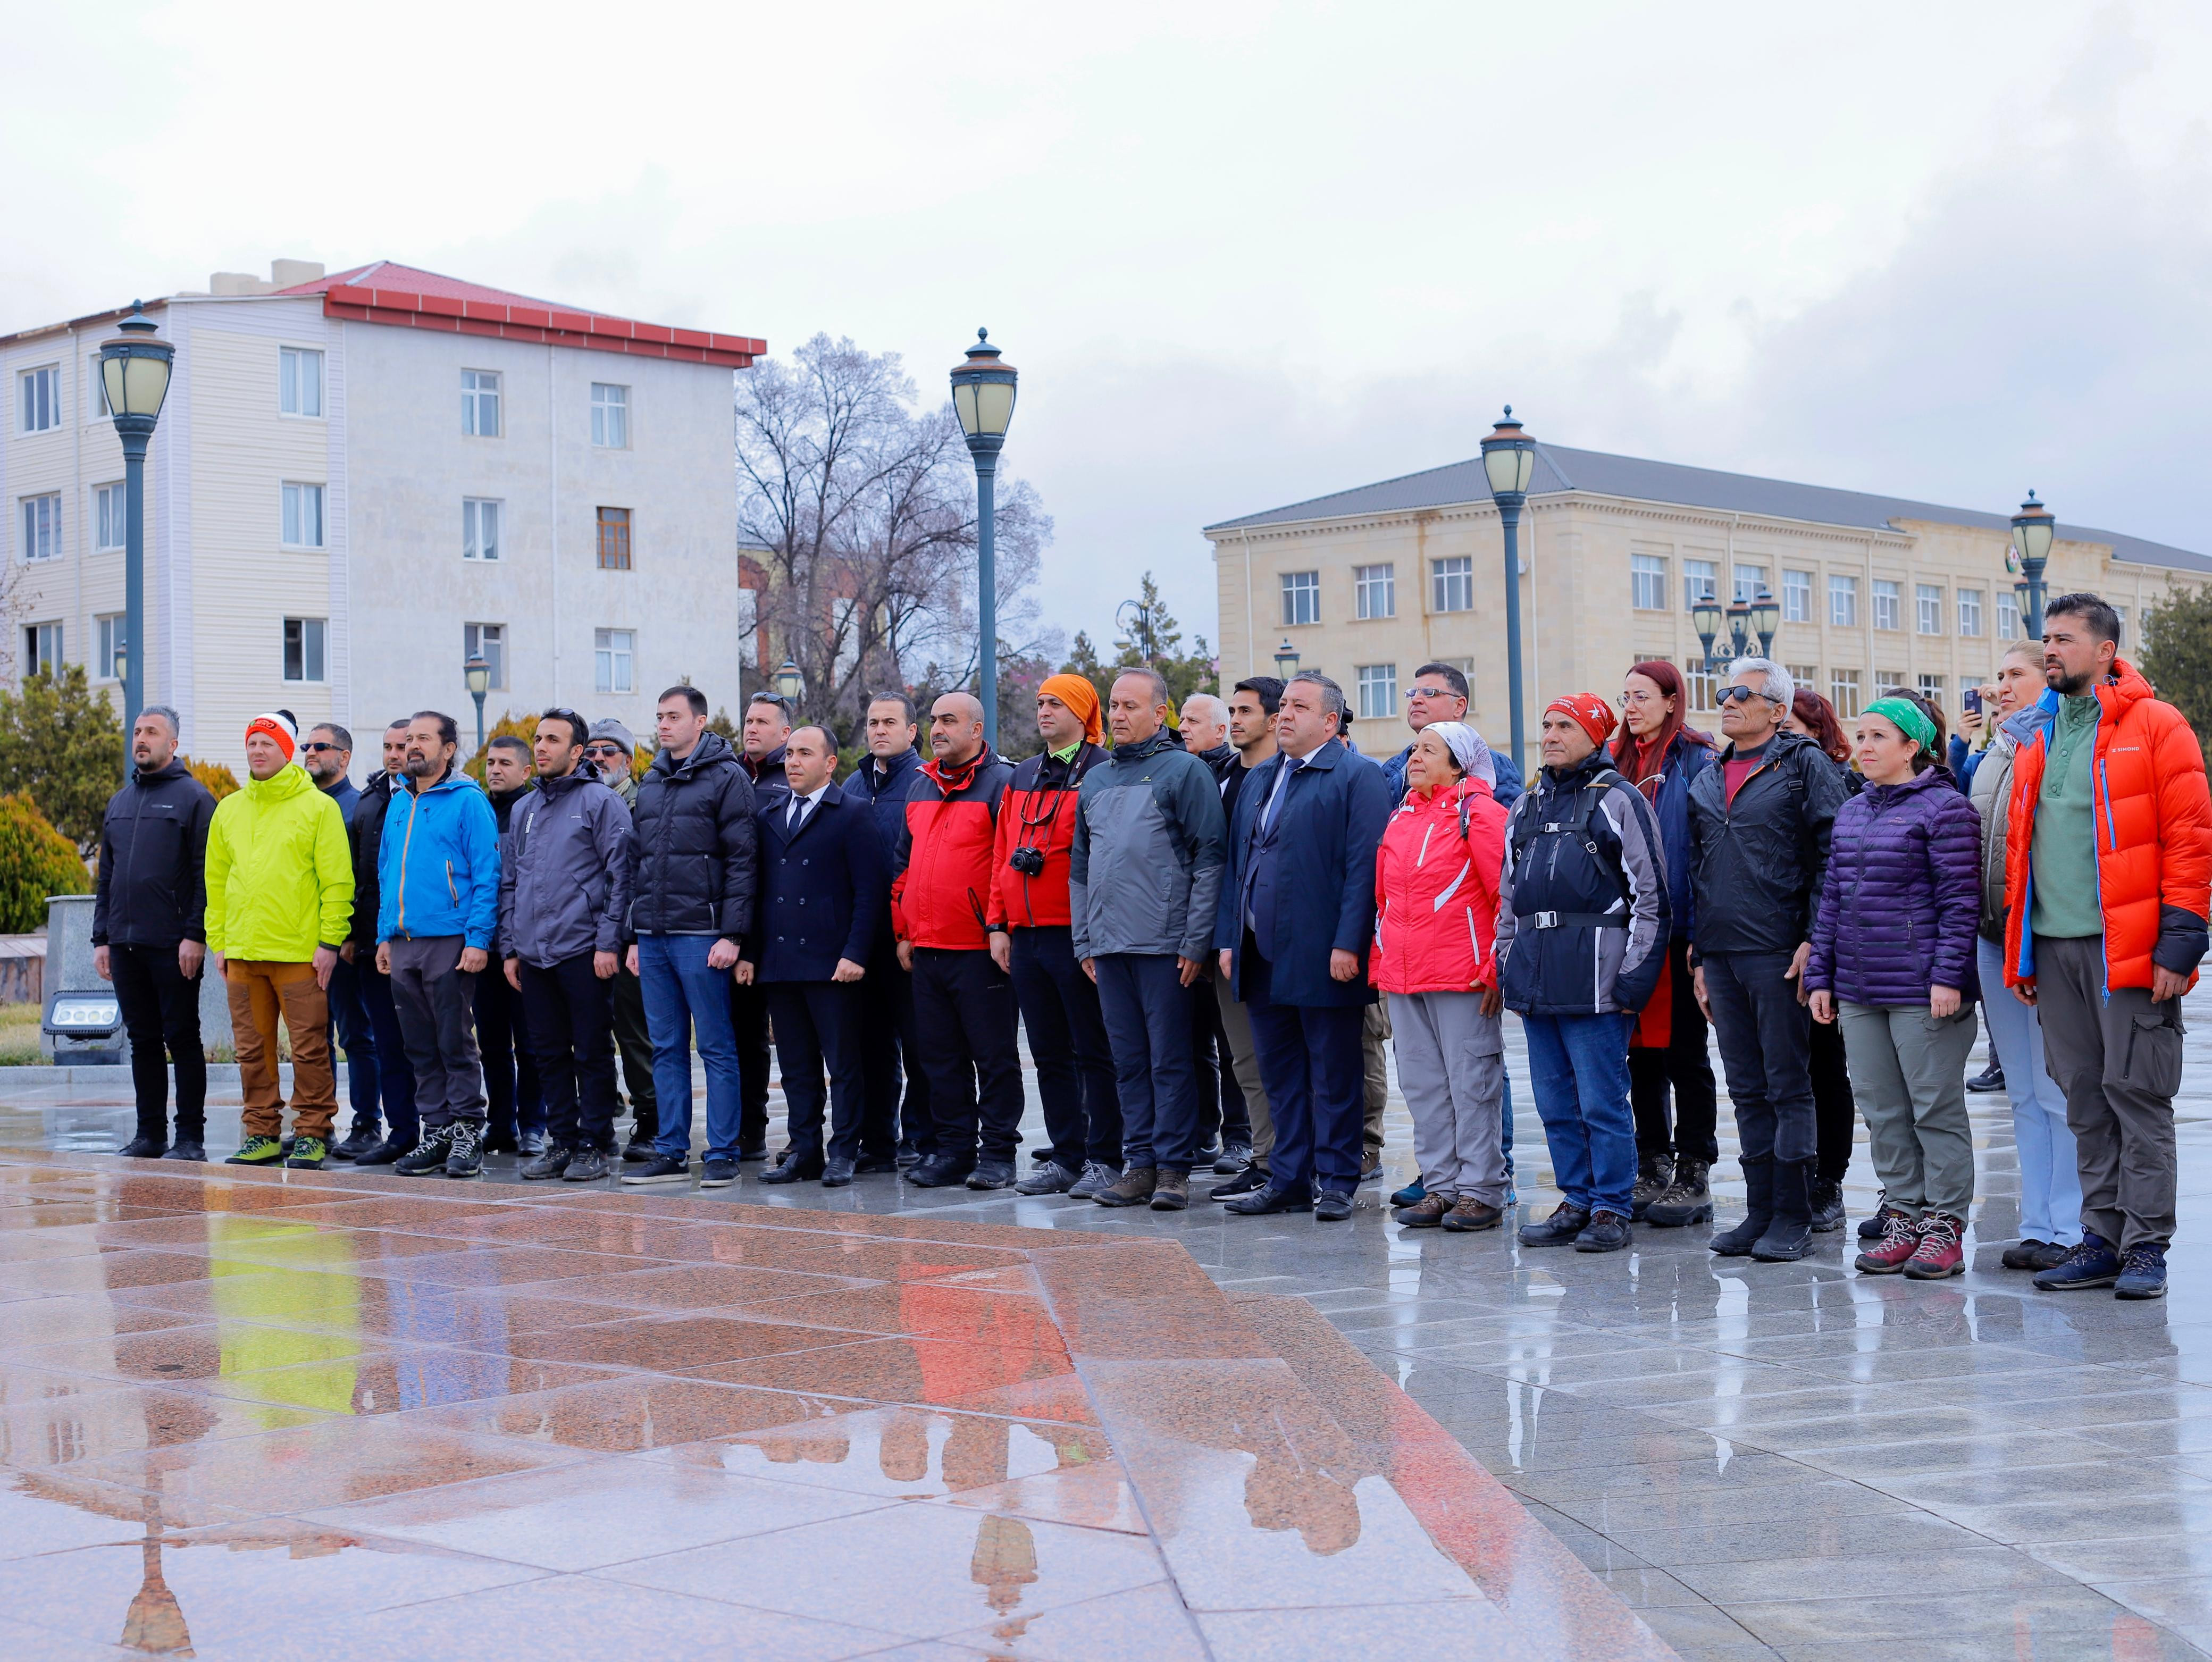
[[403, 295]]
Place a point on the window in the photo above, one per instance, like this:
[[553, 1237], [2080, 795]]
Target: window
[[1970, 612], [1376, 588], [1796, 596], [1647, 582], [1750, 582], [299, 381], [1888, 597], [96, 408], [479, 529], [111, 518], [1466, 667], [2008, 617], [1842, 602], [40, 398], [42, 649], [1702, 682], [1931, 688], [613, 654], [1804, 675], [303, 648], [480, 403], [1927, 607], [1844, 692], [1301, 598], [614, 539], [2121, 612], [42, 527], [490, 640], [1700, 581], [1378, 691], [610, 416], [1451, 584], [109, 630], [303, 517]]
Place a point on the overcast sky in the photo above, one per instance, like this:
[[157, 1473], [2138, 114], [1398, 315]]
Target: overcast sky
[[1242, 253]]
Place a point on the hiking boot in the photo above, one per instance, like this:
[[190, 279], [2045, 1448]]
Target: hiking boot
[[427, 1155], [142, 1147], [1171, 1194], [2050, 1256], [1790, 1236], [2142, 1273], [1411, 1194], [256, 1151], [662, 1168], [1250, 1180], [364, 1135], [1567, 1221], [1900, 1239], [1235, 1157], [1685, 1200], [1370, 1166], [2092, 1264], [1991, 1078], [1133, 1188], [1426, 1213], [307, 1154], [1758, 1213], [1470, 1216], [1873, 1228], [1606, 1232], [1940, 1255], [2025, 1253], [464, 1153], [1827, 1208], [586, 1165], [1332, 1206], [992, 1175], [638, 1150], [182, 1149], [1052, 1178], [547, 1166], [1652, 1177], [1097, 1176]]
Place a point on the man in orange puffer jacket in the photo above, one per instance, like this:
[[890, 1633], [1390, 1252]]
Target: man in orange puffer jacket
[[2108, 877]]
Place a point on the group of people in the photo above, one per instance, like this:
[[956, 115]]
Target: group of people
[[1211, 929]]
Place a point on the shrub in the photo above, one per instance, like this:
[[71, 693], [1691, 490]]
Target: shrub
[[218, 779], [524, 727], [62, 742], [35, 861]]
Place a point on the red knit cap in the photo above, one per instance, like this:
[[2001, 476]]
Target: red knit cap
[[1592, 713], [286, 733]]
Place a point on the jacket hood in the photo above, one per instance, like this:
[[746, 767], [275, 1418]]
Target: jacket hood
[[950, 779], [175, 770], [1583, 772], [711, 747], [455, 780], [2126, 686], [1449, 797], [1779, 744], [551, 788], [1158, 741], [287, 782]]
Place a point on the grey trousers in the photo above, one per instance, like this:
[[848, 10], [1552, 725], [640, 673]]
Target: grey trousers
[[2117, 1057], [1237, 1022], [1374, 1038], [1451, 1066], [1909, 1076], [436, 1000]]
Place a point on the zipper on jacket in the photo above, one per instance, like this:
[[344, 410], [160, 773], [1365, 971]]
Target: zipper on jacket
[[452, 892], [406, 846]]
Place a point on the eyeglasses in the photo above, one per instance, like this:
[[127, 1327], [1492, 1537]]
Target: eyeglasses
[[1741, 695], [602, 749], [318, 744], [1412, 693]]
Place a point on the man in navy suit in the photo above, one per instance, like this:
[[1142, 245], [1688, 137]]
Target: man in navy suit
[[1294, 923], [822, 887]]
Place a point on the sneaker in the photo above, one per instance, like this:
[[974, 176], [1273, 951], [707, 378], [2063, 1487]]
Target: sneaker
[[387, 1153], [992, 1175], [2142, 1273], [1411, 1194], [307, 1154], [2048, 1257], [662, 1168], [588, 1165], [1205, 1156], [530, 1144], [427, 1155], [1050, 1179], [144, 1148], [1827, 1208], [364, 1135], [1133, 1188], [1097, 1176], [639, 1150], [1471, 1215], [1941, 1254], [1235, 1157], [465, 1153], [1567, 1221], [1370, 1166], [1606, 1232], [1685, 1200], [1653, 1173], [2092, 1264], [1172, 1193], [256, 1151], [1332, 1206], [1900, 1239], [2025, 1253], [719, 1173], [549, 1165], [184, 1150], [1426, 1213], [1991, 1078], [1250, 1180]]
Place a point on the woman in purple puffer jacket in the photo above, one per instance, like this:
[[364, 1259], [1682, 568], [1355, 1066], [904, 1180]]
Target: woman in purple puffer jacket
[[1893, 964]]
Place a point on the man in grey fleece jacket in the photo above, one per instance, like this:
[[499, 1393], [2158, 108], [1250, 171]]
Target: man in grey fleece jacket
[[1145, 875]]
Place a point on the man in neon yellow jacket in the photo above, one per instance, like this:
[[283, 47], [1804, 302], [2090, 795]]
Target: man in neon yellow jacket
[[279, 903]]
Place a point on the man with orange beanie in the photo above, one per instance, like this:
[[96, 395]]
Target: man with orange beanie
[[1058, 1002]]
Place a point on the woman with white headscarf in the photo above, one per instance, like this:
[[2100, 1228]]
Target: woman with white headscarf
[[1436, 919]]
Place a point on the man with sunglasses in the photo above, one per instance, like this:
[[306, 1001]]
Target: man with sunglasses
[[1759, 822], [611, 751], [327, 754], [395, 1074]]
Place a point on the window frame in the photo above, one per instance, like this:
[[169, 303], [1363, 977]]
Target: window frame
[[1932, 687], [1366, 677], [491, 640], [2008, 618], [38, 521], [1301, 591], [1961, 598], [1843, 600], [1366, 580], [1694, 571], [1895, 596], [623, 558], [1797, 595], [111, 510], [291, 517], [605, 654], [106, 626], [47, 402], [1839, 680], [1651, 581], [1928, 603], [294, 359], [1450, 576], [1737, 590], [473, 515], [602, 408], [490, 384], [35, 658], [314, 643]]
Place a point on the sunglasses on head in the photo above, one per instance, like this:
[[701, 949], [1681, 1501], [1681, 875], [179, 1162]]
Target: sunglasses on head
[[1738, 695]]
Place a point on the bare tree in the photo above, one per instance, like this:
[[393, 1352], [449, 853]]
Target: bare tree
[[865, 509]]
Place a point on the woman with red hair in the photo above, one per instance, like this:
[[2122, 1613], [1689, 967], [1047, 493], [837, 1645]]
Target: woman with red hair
[[1659, 755]]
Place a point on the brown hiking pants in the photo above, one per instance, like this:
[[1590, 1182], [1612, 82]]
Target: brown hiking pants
[[259, 993]]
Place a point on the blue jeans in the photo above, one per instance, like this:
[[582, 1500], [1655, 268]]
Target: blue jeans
[[357, 1037], [1147, 1014], [1578, 1066], [2050, 1174], [683, 996]]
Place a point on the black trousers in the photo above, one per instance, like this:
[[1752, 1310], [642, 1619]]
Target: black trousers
[[963, 1012], [749, 1016], [1766, 1039], [569, 1015], [817, 1025], [1221, 1110], [633, 1039], [161, 1011], [514, 1100], [1684, 1070], [1835, 1109], [890, 1053], [1069, 1043]]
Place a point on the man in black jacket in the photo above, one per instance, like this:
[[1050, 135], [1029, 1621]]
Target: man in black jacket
[[891, 1133], [761, 753], [395, 1080], [692, 858], [327, 754], [148, 933]]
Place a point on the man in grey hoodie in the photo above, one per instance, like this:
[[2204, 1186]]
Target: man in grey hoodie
[[1143, 878]]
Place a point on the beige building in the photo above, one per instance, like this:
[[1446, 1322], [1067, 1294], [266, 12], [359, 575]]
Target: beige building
[[1370, 584]]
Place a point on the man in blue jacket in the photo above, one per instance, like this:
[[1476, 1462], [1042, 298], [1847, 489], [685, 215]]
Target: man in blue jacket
[[1296, 918], [437, 870], [889, 1131], [824, 890]]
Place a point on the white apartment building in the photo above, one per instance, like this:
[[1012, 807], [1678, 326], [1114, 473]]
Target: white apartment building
[[361, 480]]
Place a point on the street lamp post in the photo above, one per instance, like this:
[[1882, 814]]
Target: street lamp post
[[1139, 625], [477, 674], [2033, 529], [983, 398], [134, 373], [1744, 619], [1286, 660], [790, 682], [1509, 460]]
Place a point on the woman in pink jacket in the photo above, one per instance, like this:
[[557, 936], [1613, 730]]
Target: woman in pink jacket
[[1436, 920]]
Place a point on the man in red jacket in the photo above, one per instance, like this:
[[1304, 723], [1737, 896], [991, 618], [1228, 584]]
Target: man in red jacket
[[1058, 1004], [946, 912]]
